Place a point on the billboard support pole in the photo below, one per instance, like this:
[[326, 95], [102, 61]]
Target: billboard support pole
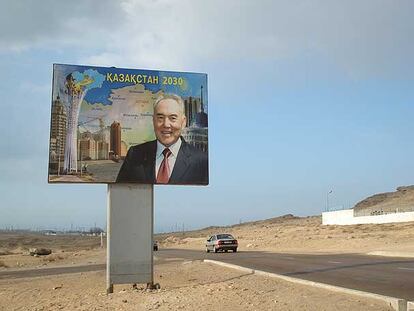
[[130, 219]]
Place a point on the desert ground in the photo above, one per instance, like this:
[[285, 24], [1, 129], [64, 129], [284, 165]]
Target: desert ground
[[290, 234], [195, 285], [185, 286]]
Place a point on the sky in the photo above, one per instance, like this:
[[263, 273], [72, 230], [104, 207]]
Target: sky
[[305, 97]]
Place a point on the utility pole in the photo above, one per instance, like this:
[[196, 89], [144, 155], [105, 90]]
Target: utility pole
[[327, 200]]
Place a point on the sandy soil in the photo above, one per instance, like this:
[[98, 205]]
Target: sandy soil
[[196, 285], [66, 250], [185, 286], [290, 234]]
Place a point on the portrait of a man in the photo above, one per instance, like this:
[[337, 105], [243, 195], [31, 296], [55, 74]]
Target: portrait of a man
[[169, 159]]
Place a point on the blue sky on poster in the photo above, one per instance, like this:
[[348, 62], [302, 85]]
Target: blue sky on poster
[[100, 90], [304, 97]]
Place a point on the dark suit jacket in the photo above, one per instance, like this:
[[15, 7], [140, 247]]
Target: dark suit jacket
[[191, 165]]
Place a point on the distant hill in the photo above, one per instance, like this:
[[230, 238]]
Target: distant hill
[[401, 200], [285, 220]]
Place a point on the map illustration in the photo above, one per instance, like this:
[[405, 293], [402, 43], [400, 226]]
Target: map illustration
[[98, 113]]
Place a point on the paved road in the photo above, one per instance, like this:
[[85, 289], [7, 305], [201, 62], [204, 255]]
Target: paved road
[[381, 275], [30, 273]]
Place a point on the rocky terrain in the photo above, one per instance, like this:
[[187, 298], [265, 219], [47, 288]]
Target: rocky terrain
[[401, 200]]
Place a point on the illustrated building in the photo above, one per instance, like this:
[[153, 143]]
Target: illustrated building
[[102, 150], [194, 111], [196, 131], [92, 147], [102, 142], [87, 149], [124, 149], [115, 139], [58, 131], [192, 107], [196, 136]]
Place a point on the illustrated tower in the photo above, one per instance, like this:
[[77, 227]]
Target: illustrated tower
[[75, 96]]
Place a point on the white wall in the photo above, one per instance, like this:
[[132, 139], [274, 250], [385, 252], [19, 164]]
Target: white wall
[[346, 217]]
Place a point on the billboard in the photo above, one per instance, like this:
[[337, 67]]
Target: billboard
[[128, 126]]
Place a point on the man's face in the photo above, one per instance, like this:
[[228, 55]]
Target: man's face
[[168, 121]]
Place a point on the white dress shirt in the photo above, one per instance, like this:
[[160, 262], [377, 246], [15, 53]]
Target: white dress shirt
[[174, 148]]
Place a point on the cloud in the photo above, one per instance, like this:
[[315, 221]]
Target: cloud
[[50, 24], [368, 37]]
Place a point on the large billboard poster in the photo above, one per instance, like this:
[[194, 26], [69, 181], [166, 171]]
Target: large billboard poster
[[128, 125]]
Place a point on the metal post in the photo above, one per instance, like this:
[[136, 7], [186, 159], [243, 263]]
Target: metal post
[[130, 214], [109, 284], [327, 200]]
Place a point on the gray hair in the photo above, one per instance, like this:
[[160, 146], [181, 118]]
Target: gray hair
[[175, 97]]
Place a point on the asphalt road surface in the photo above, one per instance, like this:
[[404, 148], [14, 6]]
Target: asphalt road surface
[[31, 273], [388, 276]]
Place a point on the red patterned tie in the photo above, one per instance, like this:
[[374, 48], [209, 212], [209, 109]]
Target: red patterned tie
[[164, 171]]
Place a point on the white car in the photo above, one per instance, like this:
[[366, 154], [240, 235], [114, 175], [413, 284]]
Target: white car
[[221, 242]]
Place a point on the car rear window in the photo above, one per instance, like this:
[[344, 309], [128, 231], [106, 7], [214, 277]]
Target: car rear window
[[224, 236]]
